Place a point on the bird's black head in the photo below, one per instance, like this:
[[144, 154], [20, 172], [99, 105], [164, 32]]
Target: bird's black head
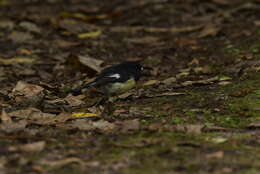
[[135, 68]]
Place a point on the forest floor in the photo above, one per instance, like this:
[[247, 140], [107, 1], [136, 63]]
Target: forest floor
[[198, 111]]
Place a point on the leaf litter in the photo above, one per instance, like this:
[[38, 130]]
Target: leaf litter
[[184, 54]]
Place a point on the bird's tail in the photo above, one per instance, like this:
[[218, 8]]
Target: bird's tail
[[78, 89]]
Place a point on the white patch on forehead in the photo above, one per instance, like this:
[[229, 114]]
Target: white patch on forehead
[[117, 76]]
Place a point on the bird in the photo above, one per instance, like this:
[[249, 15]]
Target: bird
[[116, 79]]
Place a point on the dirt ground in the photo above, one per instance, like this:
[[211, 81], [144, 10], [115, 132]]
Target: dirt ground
[[197, 112]]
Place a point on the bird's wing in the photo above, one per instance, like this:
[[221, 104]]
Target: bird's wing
[[108, 78], [100, 81]]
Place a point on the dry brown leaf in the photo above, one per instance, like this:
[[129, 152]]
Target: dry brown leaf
[[215, 128], [26, 89], [65, 44], [31, 147], [31, 114], [6, 24], [74, 100], [201, 82], [143, 40], [189, 128], [9, 61], [91, 62], [169, 94], [125, 95], [29, 26], [257, 23], [60, 163], [255, 124], [169, 81], [93, 34], [20, 37], [209, 30], [13, 126], [218, 154], [129, 125], [89, 125], [151, 82], [5, 118]]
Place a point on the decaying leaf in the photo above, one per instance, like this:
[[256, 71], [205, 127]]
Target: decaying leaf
[[93, 34], [29, 26], [168, 94], [255, 124], [209, 30], [84, 114], [47, 164], [6, 24], [218, 154], [151, 82], [89, 125], [5, 117], [169, 81], [26, 89], [129, 125], [91, 63], [20, 37], [31, 147], [9, 61], [74, 100], [190, 128], [13, 126]]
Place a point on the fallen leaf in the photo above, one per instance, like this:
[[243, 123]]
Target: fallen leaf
[[201, 82], [209, 30], [205, 70], [84, 114], [215, 128], [257, 23], [20, 37], [218, 155], [6, 24], [103, 125], [31, 114], [169, 81], [169, 94], [91, 63], [5, 117], [59, 163], [224, 83], [151, 82], [129, 125], [255, 124], [189, 128], [10, 127], [26, 89], [93, 34], [74, 100], [125, 95], [65, 44], [89, 125], [144, 40], [29, 26], [31, 147], [218, 139], [9, 61], [224, 78]]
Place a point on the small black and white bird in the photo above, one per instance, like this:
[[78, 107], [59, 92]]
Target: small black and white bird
[[116, 79]]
